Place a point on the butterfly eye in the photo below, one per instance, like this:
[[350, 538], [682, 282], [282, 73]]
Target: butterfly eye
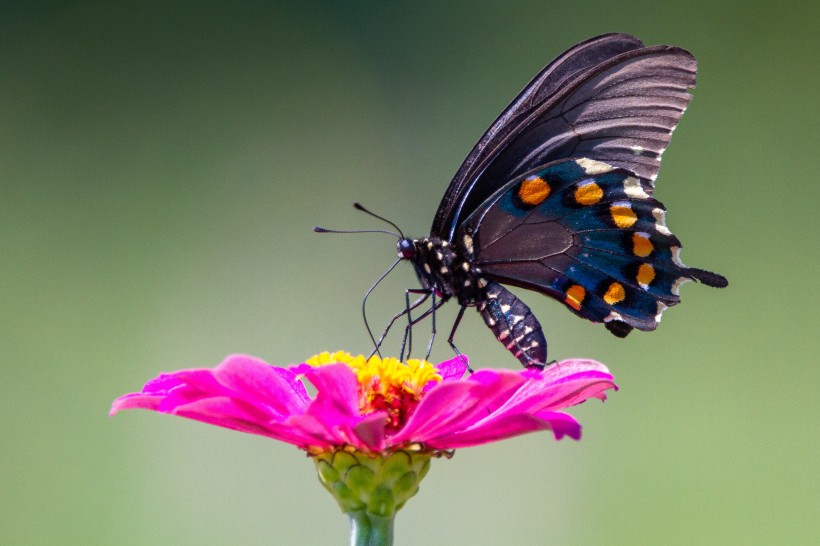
[[406, 249]]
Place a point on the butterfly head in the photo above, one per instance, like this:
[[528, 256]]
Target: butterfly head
[[406, 248]]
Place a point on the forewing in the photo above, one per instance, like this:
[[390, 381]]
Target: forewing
[[557, 74], [588, 234], [621, 112]]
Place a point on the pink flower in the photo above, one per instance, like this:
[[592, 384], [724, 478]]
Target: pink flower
[[376, 405]]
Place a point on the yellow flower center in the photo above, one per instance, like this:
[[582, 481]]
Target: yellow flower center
[[385, 384]]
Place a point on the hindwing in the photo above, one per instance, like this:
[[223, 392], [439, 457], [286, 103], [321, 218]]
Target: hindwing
[[588, 234]]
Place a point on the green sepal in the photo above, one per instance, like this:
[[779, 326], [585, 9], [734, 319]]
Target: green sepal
[[376, 483]]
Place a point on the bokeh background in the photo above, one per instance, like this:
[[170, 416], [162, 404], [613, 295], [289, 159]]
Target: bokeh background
[[162, 164]]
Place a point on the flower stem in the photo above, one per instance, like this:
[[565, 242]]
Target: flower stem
[[371, 487], [368, 529]]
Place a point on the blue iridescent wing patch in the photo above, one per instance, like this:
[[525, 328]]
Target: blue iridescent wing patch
[[589, 235]]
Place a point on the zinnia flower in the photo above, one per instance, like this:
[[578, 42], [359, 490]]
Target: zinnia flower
[[374, 424]]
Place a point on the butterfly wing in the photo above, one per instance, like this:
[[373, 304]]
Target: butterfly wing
[[608, 99], [588, 234], [567, 66]]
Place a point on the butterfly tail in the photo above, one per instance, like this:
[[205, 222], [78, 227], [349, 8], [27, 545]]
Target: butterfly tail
[[514, 325], [707, 277]]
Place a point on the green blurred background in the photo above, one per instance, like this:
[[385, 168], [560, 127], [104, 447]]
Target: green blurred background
[[162, 165]]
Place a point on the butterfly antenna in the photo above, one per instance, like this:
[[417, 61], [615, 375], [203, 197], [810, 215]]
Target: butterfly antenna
[[325, 230], [364, 304], [358, 206]]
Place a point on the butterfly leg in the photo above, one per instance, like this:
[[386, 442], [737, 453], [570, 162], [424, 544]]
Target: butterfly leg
[[431, 311], [408, 331], [432, 331], [453, 335], [424, 295]]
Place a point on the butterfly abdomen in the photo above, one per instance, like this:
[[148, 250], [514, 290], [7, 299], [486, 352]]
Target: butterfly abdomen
[[513, 324]]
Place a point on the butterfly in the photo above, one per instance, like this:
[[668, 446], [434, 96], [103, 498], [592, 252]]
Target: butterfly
[[556, 198]]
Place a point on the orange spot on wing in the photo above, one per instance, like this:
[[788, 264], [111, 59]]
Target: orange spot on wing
[[589, 193], [623, 215], [533, 191], [575, 296], [614, 294], [641, 245], [646, 274]]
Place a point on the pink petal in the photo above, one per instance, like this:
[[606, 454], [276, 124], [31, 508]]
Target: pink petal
[[225, 412], [336, 409], [258, 381], [371, 431], [495, 404], [243, 393], [509, 426], [455, 405], [314, 432], [570, 367], [560, 386], [240, 377], [337, 395], [452, 369], [135, 401]]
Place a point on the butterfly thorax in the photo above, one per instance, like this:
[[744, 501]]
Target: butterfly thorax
[[444, 268]]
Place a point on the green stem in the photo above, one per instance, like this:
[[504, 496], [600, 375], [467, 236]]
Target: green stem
[[368, 529]]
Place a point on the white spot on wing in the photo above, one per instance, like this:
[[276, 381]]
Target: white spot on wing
[[677, 284], [633, 188], [661, 309], [593, 167], [676, 256], [637, 150], [660, 221]]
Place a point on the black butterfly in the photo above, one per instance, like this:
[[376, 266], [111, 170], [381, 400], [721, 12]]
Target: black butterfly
[[556, 197]]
